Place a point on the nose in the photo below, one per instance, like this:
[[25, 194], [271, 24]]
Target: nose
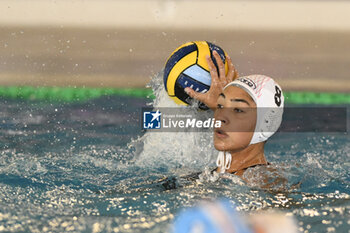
[[221, 116]]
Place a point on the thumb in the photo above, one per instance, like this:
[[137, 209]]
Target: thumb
[[195, 95]]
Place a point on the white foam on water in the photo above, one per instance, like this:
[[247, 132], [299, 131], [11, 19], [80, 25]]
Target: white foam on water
[[174, 149]]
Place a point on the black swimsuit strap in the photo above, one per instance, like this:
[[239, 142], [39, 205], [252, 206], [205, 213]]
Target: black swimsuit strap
[[244, 168], [252, 167]]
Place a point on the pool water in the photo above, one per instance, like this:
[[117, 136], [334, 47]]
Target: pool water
[[88, 167]]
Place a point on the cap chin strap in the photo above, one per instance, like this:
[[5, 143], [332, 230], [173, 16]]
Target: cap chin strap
[[224, 161]]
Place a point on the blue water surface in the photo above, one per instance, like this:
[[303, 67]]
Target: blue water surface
[[88, 167]]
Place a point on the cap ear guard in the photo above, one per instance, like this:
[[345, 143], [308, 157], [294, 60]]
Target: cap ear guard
[[270, 121], [269, 100]]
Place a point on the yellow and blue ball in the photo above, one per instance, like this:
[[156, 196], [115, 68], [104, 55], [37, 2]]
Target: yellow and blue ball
[[187, 67]]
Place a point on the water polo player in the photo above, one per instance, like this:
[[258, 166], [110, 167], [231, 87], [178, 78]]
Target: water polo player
[[250, 109]]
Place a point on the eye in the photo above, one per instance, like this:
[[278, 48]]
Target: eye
[[220, 106], [238, 110]]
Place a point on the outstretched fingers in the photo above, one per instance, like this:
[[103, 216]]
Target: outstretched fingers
[[232, 73], [194, 94], [236, 73], [213, 72], [221, 65]]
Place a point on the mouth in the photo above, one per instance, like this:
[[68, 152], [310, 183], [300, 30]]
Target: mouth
[[220, 133]]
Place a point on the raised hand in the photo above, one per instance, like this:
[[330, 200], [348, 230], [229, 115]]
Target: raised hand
[[218, 81]]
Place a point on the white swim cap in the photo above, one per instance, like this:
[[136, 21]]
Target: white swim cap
[[269, 100]]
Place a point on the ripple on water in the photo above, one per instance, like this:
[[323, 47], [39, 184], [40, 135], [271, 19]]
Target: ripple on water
[[75, 167]]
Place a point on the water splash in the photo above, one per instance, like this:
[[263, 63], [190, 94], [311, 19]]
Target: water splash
[[74, 170], [170, 150]]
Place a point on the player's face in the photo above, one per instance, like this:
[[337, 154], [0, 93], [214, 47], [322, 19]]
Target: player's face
[[237, 112]]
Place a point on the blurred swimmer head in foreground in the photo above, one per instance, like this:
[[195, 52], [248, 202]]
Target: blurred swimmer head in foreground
[[250, 109], [221, 217]]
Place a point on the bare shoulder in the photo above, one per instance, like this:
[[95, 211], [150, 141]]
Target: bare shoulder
[[270, 177]]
